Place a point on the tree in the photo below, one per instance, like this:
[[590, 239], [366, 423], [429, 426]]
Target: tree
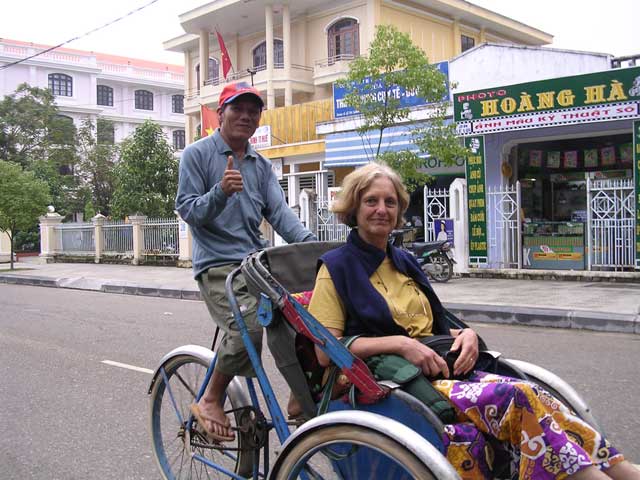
[[23, 198], [375, 81], [34, 135], [97, 163], [146, 176]]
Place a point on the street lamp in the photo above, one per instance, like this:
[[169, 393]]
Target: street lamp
[[252, 72]]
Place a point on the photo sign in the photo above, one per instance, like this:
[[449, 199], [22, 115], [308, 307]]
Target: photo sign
[[476, 199], [407, 98], [636, 171], [593, 97]]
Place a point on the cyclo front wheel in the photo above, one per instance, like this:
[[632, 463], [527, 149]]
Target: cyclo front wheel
[[348, 452], [184, 375]]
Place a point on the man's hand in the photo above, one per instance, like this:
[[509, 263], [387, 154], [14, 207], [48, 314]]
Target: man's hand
[[231, 180]]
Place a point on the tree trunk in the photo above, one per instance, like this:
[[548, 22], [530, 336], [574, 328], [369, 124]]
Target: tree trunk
[[11, 249]]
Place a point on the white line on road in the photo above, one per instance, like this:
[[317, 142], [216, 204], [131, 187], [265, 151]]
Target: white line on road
[[127, 366]]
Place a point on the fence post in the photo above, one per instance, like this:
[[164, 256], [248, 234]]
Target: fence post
[[98, 237], [458, 211], [185, 244], [138, 239], [49, 240]]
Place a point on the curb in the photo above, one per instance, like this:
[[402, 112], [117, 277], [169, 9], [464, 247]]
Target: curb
[[498, 314], [547, 317]]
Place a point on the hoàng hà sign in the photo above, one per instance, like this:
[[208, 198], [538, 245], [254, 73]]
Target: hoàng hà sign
[[593, 97]]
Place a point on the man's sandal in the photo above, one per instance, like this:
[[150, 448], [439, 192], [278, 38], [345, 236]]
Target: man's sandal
[[202, 418]]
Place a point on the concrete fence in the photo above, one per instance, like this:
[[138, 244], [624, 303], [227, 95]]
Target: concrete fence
[[136, 240]]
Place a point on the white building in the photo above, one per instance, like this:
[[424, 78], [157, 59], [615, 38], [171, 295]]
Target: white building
[[125, 90]]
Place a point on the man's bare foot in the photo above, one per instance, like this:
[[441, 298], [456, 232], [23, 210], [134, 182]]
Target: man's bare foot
[[212, 419]]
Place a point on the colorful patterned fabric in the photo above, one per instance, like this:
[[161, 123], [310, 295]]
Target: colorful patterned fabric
[[303, 298], [541, 436]]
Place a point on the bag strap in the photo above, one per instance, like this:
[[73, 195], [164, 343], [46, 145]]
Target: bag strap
[[331, 380]]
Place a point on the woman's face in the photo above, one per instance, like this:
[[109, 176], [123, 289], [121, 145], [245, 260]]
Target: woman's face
[[378, 212]]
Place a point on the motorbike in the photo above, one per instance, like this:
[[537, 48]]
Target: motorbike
[[435, 258]]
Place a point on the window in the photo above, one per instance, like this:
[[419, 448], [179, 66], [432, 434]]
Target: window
[[178, 139], [105, 132], [177, 103], [105, 95], [467, 42], [214, 72], [260, 55], [61, 84], [144, 100], [343, 38]]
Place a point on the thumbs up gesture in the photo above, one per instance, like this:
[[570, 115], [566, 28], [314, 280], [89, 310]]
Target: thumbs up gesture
[[232, 179]]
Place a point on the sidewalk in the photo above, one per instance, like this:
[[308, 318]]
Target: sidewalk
[[603, 306]]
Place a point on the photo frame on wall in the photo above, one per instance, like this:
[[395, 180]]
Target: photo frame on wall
[[591, 158], [571, 159], [553, 160], [535, 158], [608, 155], [626, 153]]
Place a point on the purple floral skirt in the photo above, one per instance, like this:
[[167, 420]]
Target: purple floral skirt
[[504, 421]]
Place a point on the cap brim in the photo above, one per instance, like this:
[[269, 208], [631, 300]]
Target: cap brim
[[237, 95]]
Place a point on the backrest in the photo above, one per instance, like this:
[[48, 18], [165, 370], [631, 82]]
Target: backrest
[[294, 266]]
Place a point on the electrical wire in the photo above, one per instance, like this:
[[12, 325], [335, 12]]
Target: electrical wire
[[22, 60]]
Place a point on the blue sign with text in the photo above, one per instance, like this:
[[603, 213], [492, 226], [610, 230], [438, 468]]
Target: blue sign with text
[[407, 98]]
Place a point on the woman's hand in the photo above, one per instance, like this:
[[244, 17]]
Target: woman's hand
[[423, 357], [466, 341]]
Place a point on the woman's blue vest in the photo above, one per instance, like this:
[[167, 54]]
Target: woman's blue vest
[[351, 266]]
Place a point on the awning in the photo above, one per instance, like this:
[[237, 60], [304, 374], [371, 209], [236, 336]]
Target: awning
[[350, 149]]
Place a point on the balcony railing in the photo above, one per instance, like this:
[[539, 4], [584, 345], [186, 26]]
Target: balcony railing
[[242, 74], [325, 62]]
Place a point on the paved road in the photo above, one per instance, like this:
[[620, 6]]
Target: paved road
[[66, 415]]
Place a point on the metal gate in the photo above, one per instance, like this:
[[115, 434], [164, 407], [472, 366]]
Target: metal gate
[[436, 206], [611, 220], [503, 226]]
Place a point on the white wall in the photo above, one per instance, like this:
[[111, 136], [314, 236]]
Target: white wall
[[490, 65]]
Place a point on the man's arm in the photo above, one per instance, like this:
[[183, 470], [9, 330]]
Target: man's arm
[[194, 203], [281, 217]]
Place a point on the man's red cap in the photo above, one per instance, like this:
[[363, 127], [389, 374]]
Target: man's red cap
[[234, 90]]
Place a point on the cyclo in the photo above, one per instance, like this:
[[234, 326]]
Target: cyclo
[[374, 430]]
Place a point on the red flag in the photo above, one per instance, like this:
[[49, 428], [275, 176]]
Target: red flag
[[226, 60], [208, 121]]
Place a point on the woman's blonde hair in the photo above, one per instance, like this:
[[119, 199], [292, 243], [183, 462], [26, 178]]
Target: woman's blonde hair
[[348, 200]]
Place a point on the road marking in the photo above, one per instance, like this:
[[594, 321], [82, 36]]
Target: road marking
[[127, 366]]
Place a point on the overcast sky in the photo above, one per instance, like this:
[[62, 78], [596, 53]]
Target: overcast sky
[[593, 25]]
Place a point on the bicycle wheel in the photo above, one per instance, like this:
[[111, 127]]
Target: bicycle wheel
[[349, 452], [185, 374]]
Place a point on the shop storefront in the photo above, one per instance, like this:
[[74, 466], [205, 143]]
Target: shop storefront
[[565, 151]]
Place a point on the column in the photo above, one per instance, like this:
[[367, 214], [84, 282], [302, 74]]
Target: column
[[457, 46], [189, 128], [293, 183], [483, 35], [98, 237], [459, 213], [138, 240], [204, 57], [185, 243], [268, 27], [286, 45], [372, 19], [49, 242]]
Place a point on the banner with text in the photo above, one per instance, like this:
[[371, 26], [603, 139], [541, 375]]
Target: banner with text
[[636, 172], [593, 97], [407, 98], [476, 201]]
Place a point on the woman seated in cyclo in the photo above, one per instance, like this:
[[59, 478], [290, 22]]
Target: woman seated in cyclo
[[372, 290]]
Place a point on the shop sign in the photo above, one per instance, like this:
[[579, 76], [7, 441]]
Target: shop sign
[[476, 200], [636, 171], [608, 95], [407, 98], [261, 138]]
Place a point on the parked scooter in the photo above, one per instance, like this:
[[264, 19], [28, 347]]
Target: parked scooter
[[435, 258]]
